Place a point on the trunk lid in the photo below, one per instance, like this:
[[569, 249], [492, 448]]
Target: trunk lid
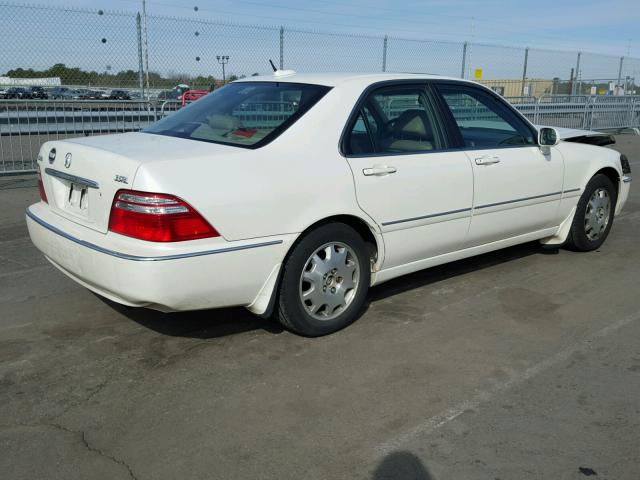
[[82, 179]]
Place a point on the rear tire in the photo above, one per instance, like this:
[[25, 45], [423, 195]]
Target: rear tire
[[324, 282], [594, 215]]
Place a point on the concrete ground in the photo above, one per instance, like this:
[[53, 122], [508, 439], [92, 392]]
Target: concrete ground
[[520, 364]]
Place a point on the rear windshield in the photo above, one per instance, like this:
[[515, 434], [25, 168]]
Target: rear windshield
[[245, 114]]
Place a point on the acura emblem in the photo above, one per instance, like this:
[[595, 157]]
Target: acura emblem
[[67, 160], [52, 156]]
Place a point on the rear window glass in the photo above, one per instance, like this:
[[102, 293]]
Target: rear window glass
[[244, 114]]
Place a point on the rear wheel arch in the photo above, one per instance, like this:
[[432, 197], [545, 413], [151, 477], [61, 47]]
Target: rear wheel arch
[[307, 254], [366, 230]]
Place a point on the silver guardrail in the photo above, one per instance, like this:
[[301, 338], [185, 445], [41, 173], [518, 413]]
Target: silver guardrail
[[26, 124]]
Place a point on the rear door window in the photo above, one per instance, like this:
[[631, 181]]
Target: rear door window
[[395, 120]]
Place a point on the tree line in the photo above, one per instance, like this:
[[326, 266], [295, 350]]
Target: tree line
[[123, 78]]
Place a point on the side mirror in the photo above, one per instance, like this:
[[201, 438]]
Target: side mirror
[[548, 137]]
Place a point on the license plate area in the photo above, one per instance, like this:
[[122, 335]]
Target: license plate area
[[76, 199]]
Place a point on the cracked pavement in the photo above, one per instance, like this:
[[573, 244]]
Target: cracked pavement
[[523, 363]]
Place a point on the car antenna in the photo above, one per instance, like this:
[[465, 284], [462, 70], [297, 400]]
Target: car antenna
[[273, 66]]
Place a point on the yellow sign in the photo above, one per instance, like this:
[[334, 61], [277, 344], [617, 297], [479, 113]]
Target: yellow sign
[[602, 91], [477, 74]]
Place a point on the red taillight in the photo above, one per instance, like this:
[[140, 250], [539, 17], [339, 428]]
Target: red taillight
[[157, 217], [43, 194]]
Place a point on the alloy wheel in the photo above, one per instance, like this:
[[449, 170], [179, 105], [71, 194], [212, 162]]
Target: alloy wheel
[[329, 281], [597, 214]]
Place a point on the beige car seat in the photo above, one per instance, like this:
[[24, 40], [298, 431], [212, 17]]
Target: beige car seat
[[411, 132]]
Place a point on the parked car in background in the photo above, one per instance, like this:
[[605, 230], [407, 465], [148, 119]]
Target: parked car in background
[[100, 95], [74, 94], [168, 95], [320, 187], [176, 93], [119, 95], [18, 93], [82, 94], [39, 93], [3, 93], [87, 94], [61, 93]]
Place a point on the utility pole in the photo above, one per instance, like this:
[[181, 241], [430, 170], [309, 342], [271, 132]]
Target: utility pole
[[571, 86], [524, 71], [384, 53], [464, 60], [146, 43], [618, 85], [281, 48], [577, 71], [469, 46], [223, 60]]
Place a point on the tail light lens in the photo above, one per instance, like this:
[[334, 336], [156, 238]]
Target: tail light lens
[[43, 194], [157, 217]]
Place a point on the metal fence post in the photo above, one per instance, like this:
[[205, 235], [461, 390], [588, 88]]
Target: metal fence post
[[464, 59], [586, 114], [573, 84], [281, 48], [524, 70], [146, 44], [140, 64], [384, 53]]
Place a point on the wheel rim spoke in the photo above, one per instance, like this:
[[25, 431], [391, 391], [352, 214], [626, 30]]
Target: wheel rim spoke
[[329, 280], [597, 214]]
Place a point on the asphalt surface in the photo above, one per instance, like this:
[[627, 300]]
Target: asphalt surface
[[519, 364]]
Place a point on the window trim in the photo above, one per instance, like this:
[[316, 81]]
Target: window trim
[[367, 127], [426, 86], [491, 93]]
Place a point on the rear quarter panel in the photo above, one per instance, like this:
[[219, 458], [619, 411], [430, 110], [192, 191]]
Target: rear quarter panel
[[283, 187]]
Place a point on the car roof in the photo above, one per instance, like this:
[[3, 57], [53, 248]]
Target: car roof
[[334, 79]]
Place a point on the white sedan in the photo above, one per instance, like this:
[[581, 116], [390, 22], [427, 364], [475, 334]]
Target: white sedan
[[292, 194]]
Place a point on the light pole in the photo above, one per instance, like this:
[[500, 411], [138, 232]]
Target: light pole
[[223, 60]]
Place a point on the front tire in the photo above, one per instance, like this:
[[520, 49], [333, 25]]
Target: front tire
[[594, 215], [324, 282]]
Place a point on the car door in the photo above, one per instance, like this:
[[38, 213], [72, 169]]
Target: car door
[[517, 186], [418, 192]]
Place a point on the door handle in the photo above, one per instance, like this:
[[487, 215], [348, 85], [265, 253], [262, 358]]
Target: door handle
[[378, 171], [487, 160]]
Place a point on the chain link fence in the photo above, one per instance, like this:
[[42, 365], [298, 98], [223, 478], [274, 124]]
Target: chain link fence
[[99, 48], [82, 56]]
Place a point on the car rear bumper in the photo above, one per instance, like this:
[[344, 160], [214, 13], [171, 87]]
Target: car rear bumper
[[194, 275]]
